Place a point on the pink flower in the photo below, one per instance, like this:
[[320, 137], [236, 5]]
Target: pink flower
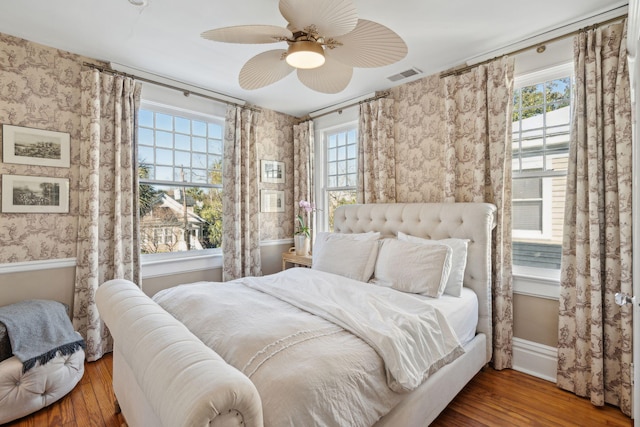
[[308, 207]]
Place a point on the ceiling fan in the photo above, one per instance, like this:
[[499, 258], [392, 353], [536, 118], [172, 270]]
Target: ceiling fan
[[326, 40]]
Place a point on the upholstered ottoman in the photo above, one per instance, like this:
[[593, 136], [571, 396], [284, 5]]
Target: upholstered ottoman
[[24, 393]]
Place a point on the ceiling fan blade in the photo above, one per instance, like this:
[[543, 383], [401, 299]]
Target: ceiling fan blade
[[369, 45], [264, 69], [248, 34], [332, 77], [331, 17]]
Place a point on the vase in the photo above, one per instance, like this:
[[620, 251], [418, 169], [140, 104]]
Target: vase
[[302, 244]]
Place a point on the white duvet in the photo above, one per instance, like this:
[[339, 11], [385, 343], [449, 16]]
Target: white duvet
[[321, 349]]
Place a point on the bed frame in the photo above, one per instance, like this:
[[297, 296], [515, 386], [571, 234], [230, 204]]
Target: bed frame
[[164, 376]]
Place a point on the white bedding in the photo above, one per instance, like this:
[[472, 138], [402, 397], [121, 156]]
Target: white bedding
[[461, 313], [315, 372]]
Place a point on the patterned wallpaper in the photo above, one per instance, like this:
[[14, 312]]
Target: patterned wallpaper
[[40, 88], [275, 142]]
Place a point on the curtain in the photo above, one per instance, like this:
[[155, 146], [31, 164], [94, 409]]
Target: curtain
[[108, 231], [303, 170], [478, 106], [376, 152], [240, 197], [595, 335]]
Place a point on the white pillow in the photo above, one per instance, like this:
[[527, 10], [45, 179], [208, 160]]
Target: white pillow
[[346, 256], [323, 236], [412, 267], [458, 260]]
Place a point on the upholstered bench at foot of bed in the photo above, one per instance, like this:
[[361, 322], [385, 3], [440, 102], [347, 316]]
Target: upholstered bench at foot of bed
[[24, 393]]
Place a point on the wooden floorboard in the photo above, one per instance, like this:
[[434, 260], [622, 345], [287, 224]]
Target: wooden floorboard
[[491, 399]]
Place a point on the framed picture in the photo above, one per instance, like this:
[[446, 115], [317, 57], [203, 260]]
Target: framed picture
[[34, 194], [271, 201], [36, 147], [272, 171]]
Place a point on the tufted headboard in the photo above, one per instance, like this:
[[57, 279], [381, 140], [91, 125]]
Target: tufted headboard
[[473, 221]]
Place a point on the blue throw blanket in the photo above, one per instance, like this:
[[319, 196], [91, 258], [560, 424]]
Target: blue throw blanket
[[38, 330]]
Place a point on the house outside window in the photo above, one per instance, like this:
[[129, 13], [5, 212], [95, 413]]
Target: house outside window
[[341, 169], [180, 179], [541, 130]]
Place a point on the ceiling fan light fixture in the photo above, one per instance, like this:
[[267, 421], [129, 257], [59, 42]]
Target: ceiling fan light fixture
[[305, 54]]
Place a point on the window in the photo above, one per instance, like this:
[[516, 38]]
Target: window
[[180, 174], [341, 169], [541, 126]]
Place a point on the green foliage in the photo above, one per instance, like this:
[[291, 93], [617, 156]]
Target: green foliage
[[147, 195], [540, 98]]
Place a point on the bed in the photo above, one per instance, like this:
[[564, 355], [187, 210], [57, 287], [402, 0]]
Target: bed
[[165, 374]]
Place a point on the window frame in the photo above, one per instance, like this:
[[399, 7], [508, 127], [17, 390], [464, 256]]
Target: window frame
[[169, 263], [532, 281], [346, 121]]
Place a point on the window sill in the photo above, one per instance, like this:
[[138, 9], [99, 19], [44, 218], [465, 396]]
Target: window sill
[[156, 265], [536, 282]]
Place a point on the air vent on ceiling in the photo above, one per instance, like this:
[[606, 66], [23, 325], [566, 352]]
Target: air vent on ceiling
[[405, 74]]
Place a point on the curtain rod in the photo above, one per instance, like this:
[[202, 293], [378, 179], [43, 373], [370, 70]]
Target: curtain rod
[[382, 94], [467, 68], [185, 92]]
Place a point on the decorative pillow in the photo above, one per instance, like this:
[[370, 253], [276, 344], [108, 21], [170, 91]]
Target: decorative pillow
[[348, 257], [458, 259], [412, 267]]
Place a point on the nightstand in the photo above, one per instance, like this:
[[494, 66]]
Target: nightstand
[[292, 258]]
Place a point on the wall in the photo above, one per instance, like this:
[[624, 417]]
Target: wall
[[39, 88]]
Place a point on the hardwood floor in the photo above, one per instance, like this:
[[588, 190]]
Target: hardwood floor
[[492, 398]]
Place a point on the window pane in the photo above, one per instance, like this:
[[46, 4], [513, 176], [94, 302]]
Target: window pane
[[199, 128], [168, 151], [164, 173], [164, 121], [332, 155], [541, 130], [352, 151], [164, 157], [145, 136], [162, 225], [333, 140], [145, 154], [183, 158], [215, 131], [145, 118], [198, 160], [164, 139], [183, 142], [529, 188], [199, 144], [183, 125], [338, 198], [215, 146], [527, 215]]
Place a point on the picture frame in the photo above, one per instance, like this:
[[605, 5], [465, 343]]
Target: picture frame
[[34, 194], [272, 171], [37, 147], [271, 201]]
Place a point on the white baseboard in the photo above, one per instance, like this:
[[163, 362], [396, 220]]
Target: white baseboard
[[535, 359]]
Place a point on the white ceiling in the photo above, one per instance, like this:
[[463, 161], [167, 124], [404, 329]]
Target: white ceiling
[[163, 37]]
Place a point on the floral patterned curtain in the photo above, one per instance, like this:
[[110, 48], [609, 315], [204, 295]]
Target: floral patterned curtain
[[595, 335], [303, 172], [108, 246], [376, 152], [240, 200], [478, 106]]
